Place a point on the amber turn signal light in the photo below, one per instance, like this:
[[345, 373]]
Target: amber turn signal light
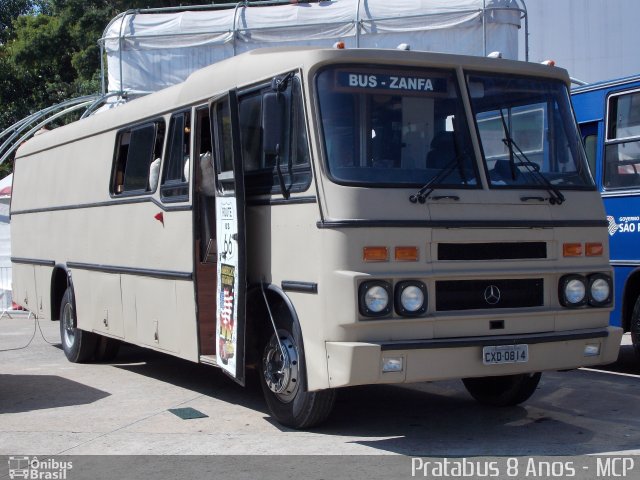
[[572, 249], [594, 249], [375, 254], [406, 254]]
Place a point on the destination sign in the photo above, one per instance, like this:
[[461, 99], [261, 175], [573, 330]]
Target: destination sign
[[382, 81]]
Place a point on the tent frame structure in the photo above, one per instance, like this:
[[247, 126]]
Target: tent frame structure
[[12, 137], [234, 29]]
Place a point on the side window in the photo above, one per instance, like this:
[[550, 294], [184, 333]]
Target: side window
[[261, 175], [624, 116], [137, 162], [204, 174], [223, 154], [622, 150], [622, 147], [299, 140], [177, 164], [205, 188]]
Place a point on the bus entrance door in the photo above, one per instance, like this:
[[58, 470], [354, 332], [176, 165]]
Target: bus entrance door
[[230, 235]]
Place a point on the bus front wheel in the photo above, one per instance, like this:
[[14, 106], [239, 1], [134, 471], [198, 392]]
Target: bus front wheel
[[283, 381], [79, 346], [635, 328], [503, 391]]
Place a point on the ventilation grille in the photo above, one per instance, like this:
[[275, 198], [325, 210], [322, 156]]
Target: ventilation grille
[[492, 251], [485, 294]]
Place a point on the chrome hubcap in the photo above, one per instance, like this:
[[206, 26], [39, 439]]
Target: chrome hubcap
[[280, 369], [67, 323]]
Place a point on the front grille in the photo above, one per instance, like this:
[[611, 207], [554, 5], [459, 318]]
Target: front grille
[[485, 294], [492, 251]]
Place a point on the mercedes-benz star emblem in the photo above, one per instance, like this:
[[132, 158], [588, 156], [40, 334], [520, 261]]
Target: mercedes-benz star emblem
[[492, 294]]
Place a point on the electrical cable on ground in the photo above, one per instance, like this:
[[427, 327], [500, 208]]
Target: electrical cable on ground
[[36, 327]]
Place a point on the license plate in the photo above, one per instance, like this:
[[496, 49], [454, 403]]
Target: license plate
[[497, 355]]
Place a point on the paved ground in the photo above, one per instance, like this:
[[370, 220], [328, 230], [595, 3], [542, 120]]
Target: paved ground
[[50, 407]]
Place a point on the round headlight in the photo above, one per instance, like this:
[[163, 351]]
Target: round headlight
[[600, 290], [412, 298], [575, 291], [376, 299]]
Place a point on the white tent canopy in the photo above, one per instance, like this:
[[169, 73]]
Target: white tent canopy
[[5, 243], [5, 232], [152, 49]]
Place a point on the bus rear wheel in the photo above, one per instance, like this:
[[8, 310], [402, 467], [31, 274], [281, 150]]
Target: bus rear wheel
[[503, 391], [283, 381], [79, 346], [635, 328]]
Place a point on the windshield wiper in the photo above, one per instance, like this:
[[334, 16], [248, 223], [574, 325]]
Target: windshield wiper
[[555, 196], [509, 143], [422, 194]]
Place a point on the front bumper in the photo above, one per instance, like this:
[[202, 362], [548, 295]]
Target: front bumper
[[357, 363]]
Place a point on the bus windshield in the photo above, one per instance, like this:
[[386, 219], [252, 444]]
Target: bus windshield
[[527, 132], [395, 127]]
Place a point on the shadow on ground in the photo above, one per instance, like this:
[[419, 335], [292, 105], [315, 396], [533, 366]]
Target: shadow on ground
[[25, 393], [568, 415], [199, 378], [628, 362]]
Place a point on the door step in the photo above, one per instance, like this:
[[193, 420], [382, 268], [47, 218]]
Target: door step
[[208, 360]]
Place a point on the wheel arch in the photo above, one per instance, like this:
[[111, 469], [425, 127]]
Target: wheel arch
[[60, 280], [258, 321], [275, 295]]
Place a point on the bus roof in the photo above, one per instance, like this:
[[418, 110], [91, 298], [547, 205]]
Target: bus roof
[[258, 65], [612, 83]]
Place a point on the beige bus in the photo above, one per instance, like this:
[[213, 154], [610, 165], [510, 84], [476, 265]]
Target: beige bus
[[330, 218]]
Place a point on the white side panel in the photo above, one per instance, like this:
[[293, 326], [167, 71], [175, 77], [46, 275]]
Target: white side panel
[[125, 239], [129, 306], [43, 292], [155, 312], [106, 304], [83, 283], [160, 314], [185, 321], [24, 285]]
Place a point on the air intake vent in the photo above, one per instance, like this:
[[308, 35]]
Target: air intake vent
[[492, 251], [484, 294]]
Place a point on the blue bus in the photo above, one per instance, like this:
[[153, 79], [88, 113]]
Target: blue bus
[[609, 117]]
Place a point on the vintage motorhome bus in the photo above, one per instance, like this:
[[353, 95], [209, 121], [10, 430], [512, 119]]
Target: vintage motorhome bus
[[608, 114], [331, 218]]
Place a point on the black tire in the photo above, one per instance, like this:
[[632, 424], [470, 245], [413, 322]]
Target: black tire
[[503, 391], [78, 345], [634, 328], [106, 349], [285, 389]]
